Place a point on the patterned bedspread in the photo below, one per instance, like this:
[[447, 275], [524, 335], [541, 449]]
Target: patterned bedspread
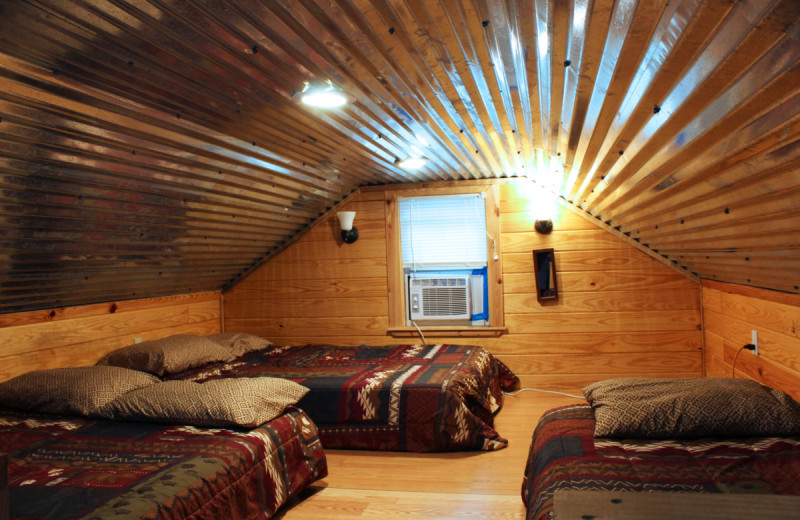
[[399, 398], [62, 468], [564, 455]]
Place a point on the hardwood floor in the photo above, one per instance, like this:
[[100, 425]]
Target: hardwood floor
[[435, 486]]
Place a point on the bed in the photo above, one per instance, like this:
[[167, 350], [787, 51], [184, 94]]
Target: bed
[[397, 398], [82, 468], [94, 443], [663, 441]]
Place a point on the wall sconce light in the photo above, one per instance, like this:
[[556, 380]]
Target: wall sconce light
[[349, 232], [326, 96], [542, 206], [543, 226]]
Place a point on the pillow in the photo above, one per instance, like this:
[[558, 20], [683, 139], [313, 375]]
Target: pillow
[[240, 343], [168, 355], [246, 402], [71, 391], [649, 408]]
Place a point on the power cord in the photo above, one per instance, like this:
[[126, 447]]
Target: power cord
[[749, 346], [545, 391], [422, 336]]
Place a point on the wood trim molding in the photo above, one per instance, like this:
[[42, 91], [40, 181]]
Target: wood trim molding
[[450, 332], [495, 263], [394, 262]]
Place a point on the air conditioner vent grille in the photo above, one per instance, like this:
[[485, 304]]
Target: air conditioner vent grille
[[439, 297], [439, 282], [445, 301]]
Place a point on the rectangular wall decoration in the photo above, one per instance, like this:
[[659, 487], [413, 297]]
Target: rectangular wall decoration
[[544, 269]]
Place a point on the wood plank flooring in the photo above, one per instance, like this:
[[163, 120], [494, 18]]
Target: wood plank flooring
[[431, 486]]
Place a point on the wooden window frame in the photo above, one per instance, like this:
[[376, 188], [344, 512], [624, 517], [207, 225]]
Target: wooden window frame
[[394, 264]]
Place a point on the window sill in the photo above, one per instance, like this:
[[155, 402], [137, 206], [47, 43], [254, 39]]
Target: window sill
[[432, 332]]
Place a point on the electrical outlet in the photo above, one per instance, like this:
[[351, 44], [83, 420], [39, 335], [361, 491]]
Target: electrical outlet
[[755, 341]]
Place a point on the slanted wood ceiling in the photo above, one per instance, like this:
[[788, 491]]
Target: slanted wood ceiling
[[152, 147]]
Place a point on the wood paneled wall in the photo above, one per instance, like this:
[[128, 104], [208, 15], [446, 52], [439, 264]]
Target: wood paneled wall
[[79, 336], [731, 313], [620, 311], [320, 290]]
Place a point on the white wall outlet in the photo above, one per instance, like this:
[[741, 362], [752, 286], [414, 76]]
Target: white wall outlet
[[137, 340], [755, 341]]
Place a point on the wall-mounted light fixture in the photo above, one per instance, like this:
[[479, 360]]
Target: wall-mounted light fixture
[[349, 232], [543, 226], [411, 163], [542, 206], [326, 95]]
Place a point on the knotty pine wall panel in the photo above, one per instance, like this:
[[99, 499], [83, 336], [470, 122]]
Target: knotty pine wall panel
[[731, 313], [80, 336], [320, 290], [620, 312]]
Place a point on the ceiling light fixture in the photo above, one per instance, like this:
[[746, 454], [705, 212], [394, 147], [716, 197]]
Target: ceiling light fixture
[[326, 96], [411, 163]]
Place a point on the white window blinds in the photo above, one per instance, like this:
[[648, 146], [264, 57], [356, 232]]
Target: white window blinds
[[447, 231]]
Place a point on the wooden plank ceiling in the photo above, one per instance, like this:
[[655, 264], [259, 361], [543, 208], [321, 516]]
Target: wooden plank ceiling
[[153, 147]]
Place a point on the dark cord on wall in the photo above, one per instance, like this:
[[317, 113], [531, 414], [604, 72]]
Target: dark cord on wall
[[749, 346]]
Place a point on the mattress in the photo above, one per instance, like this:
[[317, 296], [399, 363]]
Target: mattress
[[397, 398], [63, 468], [565, 455]]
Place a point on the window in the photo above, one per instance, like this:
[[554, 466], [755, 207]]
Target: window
[[443, 260], [443, 243], [446, 231]]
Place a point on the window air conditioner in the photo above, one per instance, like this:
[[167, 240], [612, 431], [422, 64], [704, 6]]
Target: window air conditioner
[[437, 296]]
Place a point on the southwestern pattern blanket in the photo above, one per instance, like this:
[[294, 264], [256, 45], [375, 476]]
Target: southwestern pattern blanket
[[398, 398], [565, 455], [64, 468]]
